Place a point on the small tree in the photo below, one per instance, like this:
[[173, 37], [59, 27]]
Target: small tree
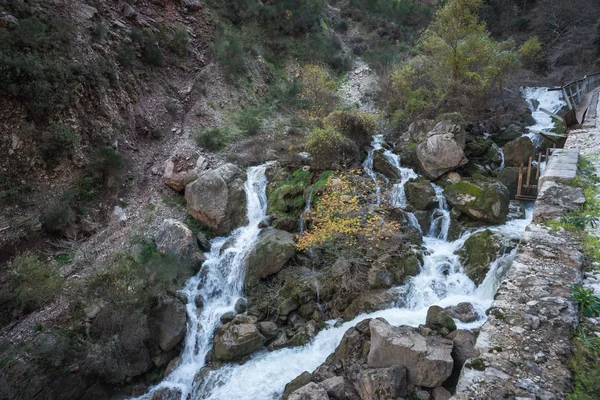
[[356, 126], [329, 149], [318, 89], [532, 54]]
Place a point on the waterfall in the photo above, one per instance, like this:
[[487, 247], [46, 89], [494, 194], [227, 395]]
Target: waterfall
[[440, 218], [306, 210], [538, 98], [501, 152], [220, 284]]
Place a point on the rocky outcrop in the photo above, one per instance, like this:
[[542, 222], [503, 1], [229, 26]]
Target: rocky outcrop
[[376, 361], [217, 198], [369, 302], [518, 151], [268, 256], [507, 134], [234, 341], [383, 165], [479, 251], [178, 171], [440, 320], [480, 200], [427, 359], [420, 194], [509, 177], [174, 237], [440, 152]]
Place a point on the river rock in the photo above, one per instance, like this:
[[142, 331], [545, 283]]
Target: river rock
[[479, 251], [233, 342], [417, 131], [428, 360], [439, 319], [439, 393], [420, 194], [203, 242], [269, 329], [463, 342], [241, 305], [480, 200], [168, 321], [383, 165], [516, 210], [509, 177], [176, 238], [338, 387], [507, 134], [440, 152], [227, 317], [518, 151], [268, 256], [382, 383], [368, 302], [464, 312], [312, 391], [217, 198]]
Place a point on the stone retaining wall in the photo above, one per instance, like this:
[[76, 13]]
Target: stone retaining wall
[[526, 342]]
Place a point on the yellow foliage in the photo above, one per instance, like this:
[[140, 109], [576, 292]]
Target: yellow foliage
[[319, 90], [345, 212]]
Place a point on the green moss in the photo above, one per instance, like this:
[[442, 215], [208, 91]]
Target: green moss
[[478, 365], [464, 187], [585, 364]]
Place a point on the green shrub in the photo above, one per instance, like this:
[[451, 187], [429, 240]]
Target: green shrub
[[31, 285], [149, 46], [99, 31], [585, 364], [532, 54], [215, 139], [60, 141], [59, 216], [231, 52], [106, 163], [172, 107], [356, 126], [249, 120], [589, 303], [329, 149], [126, 54], [180, 41]]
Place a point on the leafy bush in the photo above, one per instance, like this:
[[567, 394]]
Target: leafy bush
[[356, 126], [99, 31], [589, 303], [250, 120], [532, 54], [215, 139], [180, 41], [231, 52], [107, 164], [31, 285], [318, 90], [172, 107], [60, 141], [126, 54], [149, 46], [329, 149], [60, 215]]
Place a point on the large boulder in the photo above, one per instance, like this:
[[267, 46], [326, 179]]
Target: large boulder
[[217, 198], [384, 165], [441, 152], [174, 237], [168, 322], [428, 360], [268, 256], [518, 151], [507, 134], [232, 342], [509, 177], [420, 194], [417, 131], [480, 200], [312, 391], [370, 301], [479, 251]]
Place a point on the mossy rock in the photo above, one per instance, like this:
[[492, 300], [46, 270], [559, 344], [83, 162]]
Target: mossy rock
[[286, 200], [478, 252], [480, 200]]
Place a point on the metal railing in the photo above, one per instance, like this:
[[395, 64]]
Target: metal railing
[[576, 90]]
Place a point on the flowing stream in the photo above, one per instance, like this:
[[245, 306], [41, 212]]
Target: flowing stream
[[441, 281], [538, 98]]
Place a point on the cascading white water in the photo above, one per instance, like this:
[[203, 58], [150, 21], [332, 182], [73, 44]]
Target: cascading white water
[[441, 281], [440, 218], [501, 152], [220, 284], [538, 98], [302, 222]]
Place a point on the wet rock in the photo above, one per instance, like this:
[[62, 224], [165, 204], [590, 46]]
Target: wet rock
[[378, 278], [286, 223], [227, 317], [304, 334], [508, 134], [478, 253], [169, 323], [464, 312], [241, 305], [287, 306], [440, 152], [463, 346], [509, 177], [439, 319], [480, 200], [420, 194], [312, 391], [382, 383], [422, 394], [338, 387], [368, 302], [518, 151], [174, 237], [233, 342], [427, 359], [269, 329], [268, 256], [301, 380], [217, 198], [199, 302], [383, 165], [203, 242]]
